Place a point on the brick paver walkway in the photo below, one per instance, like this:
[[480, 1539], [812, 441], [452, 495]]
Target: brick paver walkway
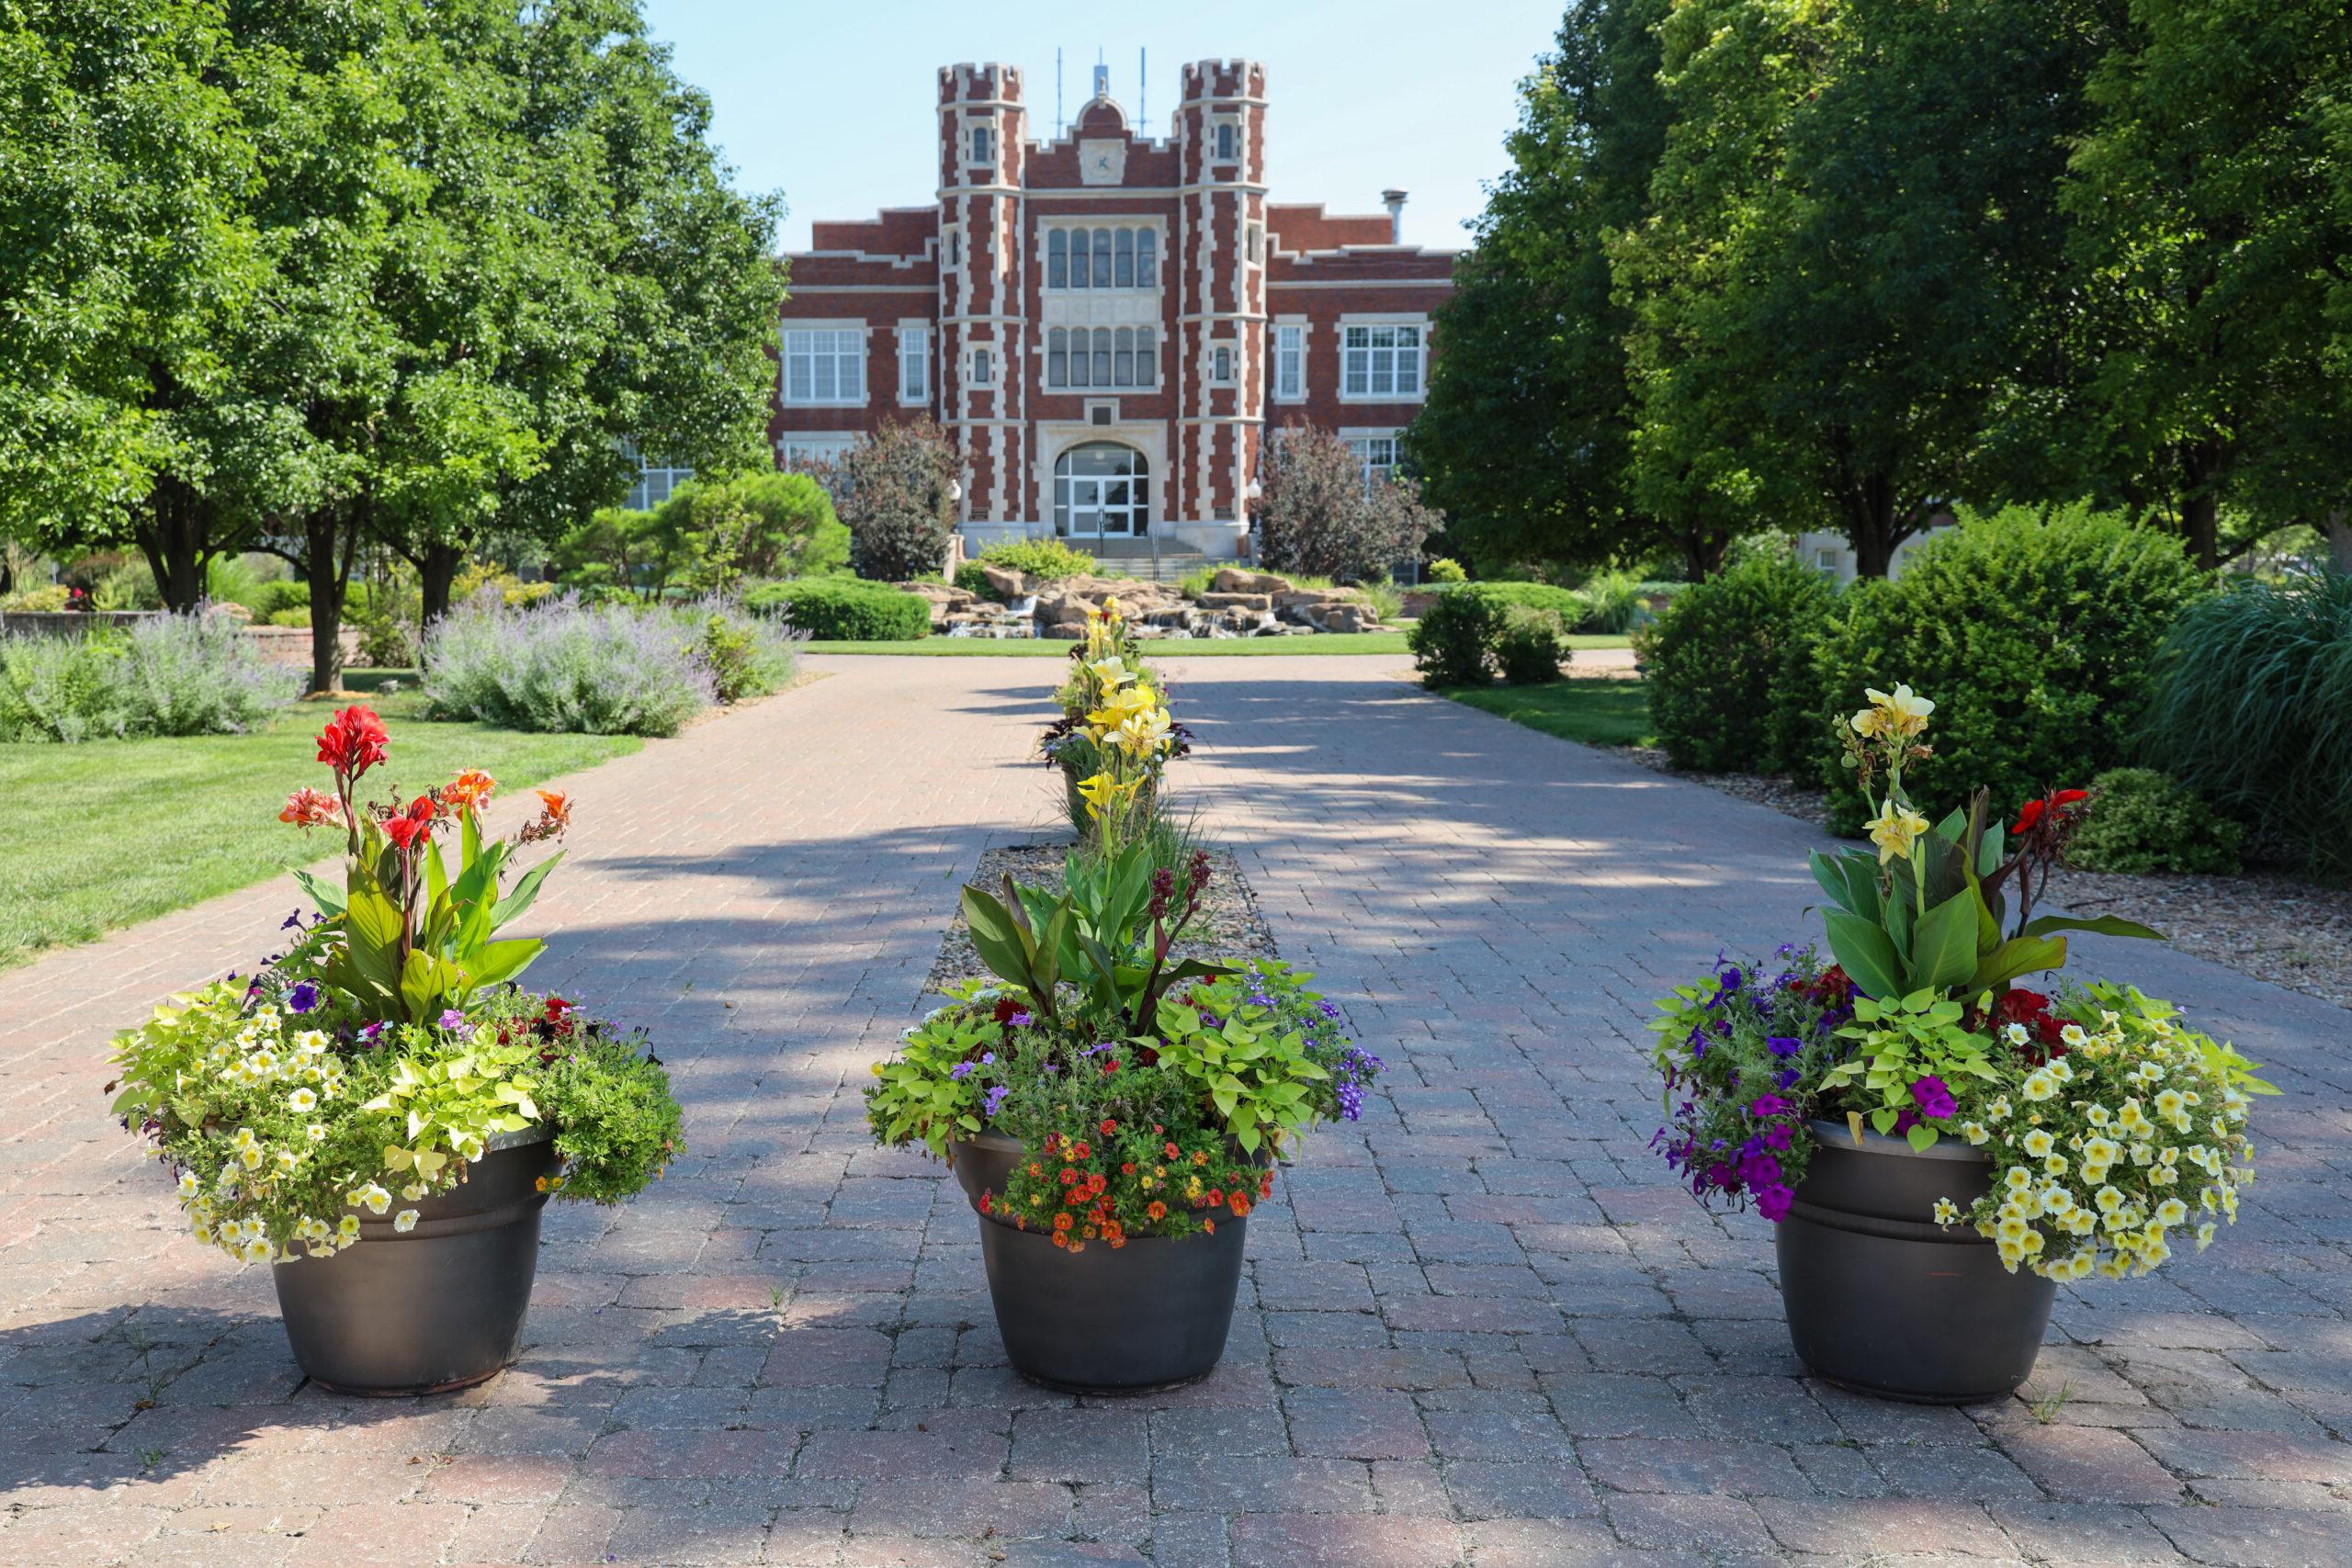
[[1484, 1326]]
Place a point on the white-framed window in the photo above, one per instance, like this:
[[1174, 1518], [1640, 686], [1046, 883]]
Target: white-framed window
[[980, 143], [1380, 363], [914, 362], [824, 367], [1249, 242], [1079, 357], [1376, 450], [1101, 258], [1225, 141], [813, 449], [951, 247], [1289, 364], [1221, 365], [654, 480], [983, 367]]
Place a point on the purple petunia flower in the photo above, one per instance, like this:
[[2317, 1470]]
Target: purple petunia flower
[[1772, 1201], [1759, 1170], [1783, 1045], [1326, 1010], [292, 922], [1934, 1098], [1786, 1079], [451, 1019], [1779, 1135], [1770, 1105], [303, 997], [367, 1032]]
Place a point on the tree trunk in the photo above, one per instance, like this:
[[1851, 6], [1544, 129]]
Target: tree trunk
[[2338, 529], [329, 575], [1703, 552], [1872, 526], [173, 540], [2200, 502], [437, 567]]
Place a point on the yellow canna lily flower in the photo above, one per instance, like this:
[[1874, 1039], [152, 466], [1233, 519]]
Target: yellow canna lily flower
[[1902, 711], [1144, 733], [1098, 791], [1112, 672], [1894, 829]]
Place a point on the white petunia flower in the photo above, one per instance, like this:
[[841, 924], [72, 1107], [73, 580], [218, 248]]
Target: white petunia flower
[[403, 1222]]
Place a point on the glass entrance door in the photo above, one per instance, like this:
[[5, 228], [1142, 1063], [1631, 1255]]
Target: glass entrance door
[[1102, 492]]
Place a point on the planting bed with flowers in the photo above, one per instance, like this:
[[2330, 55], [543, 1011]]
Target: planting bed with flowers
[[371, 1064], [2106, 1131]]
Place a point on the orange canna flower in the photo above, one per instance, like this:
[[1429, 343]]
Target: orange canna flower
[[468, 790], [308, 807]]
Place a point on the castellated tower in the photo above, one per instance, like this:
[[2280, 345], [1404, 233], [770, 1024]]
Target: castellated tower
[[983, 143], [1220, 132]]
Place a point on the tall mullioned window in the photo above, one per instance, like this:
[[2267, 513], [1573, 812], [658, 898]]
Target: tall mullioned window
[[1289, 364], [914, 365], [1380, 362], [1103, 258], [824, 365], [1077, 357]]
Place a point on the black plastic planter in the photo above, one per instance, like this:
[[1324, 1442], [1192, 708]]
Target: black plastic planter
[[1150, 1314], [1881, 1300], [437, 1308]]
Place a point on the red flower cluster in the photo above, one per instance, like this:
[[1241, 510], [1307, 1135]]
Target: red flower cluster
[[352, 743], [407, 829], [2056, 806], [1832, 987], [2032, 1009]]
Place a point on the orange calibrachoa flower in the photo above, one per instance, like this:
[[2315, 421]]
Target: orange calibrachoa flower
[[1062, 1222], [1239, 1203], [468, 790], [1155, 1210]]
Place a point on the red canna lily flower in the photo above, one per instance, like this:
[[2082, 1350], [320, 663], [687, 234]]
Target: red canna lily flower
[[307, 808], [353, 743], [408, 828]]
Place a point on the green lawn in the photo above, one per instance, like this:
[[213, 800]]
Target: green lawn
[[1162, 647], [111, 832], [1595, 712]]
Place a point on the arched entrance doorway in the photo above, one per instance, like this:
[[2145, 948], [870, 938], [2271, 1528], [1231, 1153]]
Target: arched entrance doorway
[[1102, 490]]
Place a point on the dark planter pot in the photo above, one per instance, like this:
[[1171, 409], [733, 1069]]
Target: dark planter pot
[[1882, 1301], [1150, 1314], [438, 1308]]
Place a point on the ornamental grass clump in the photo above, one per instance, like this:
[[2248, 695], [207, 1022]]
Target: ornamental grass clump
[[2113, 1131], [1148, 1094], [390, 1048]]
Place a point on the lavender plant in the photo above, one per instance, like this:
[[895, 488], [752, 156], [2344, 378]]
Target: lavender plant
[[171, 675], [565, 667]]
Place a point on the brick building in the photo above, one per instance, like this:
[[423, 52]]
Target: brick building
[[1107, 325]]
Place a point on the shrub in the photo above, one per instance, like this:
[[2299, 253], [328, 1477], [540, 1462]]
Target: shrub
[[1445, 568], [843, 609], [2141, 821], [1730, 667], [1561, 602], [1454, 641], [895, 489], [2036, 636], [1048, 558], [1613, 603], [169, 675], [1529, 648], [273, 599], [747, 654], [48, 599], [2253, 709], [565, 667], [1319, 515]]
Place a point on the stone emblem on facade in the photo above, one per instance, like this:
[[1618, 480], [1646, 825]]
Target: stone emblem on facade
[[1102, 161]]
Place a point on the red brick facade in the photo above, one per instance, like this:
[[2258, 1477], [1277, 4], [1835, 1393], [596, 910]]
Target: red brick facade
[[1209, 317]]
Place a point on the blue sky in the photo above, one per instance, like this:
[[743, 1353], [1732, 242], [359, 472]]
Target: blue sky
[[832, 103]]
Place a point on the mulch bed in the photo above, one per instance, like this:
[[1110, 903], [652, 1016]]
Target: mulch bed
[[2270, 925], [1227, 925]]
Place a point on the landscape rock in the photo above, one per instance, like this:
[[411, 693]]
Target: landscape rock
[[1237, 602], [1004, 582], [1231, 580]]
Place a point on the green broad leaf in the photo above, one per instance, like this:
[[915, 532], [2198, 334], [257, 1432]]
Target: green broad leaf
[[2018, 956], [1882, 1119], [436, 877], [1989, 849], [2100, 925], [1863, 951], [1943, 948], [1226, 1099], [1003, 945], [495, 963], [1832, 877], [1953, 828], [1248, 1138], [1921, 1139], [526, 888], [469, 840], [325, 894]]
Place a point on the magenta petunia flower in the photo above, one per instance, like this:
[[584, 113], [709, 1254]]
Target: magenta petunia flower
[[1933, 1096]]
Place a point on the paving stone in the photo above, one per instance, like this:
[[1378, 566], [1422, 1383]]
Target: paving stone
[[1483, 1323]]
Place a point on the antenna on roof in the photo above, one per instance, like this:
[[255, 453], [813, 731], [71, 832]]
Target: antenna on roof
[[1143, 89], [1057, 92]]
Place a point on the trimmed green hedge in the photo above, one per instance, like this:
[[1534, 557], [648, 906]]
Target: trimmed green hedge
[[1730, 663], [843, 609]]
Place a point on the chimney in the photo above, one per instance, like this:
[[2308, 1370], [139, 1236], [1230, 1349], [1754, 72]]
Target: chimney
[[1395, 202]]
